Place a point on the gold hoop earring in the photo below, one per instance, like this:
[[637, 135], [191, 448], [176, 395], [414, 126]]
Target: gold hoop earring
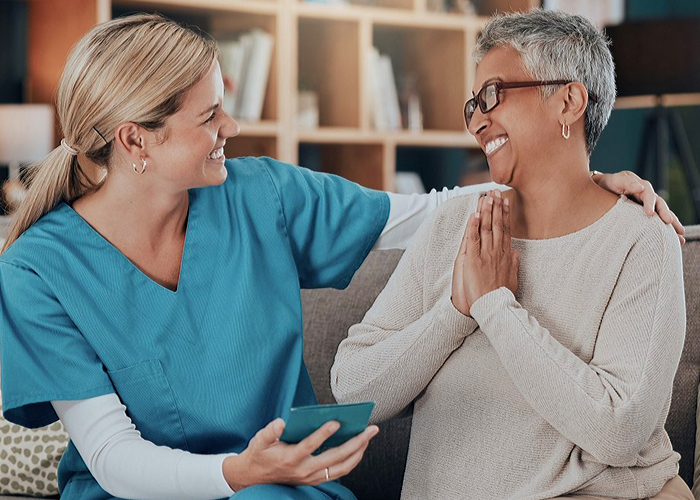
[[143, 166], [565, 130]]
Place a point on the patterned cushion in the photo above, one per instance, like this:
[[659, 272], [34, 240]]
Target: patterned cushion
[[29, 458]]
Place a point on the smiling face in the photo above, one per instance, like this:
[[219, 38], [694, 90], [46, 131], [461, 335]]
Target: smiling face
[[192, 154], [517, 131]]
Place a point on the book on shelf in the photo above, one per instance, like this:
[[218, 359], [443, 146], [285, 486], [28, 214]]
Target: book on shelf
[[386, 112], [245, 66]]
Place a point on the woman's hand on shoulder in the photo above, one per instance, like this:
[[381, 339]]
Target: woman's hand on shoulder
[[268, 460], [485, 261], [641, 191]]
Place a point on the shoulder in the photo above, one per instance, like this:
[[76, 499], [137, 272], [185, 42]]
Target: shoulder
[[262, 176], [650, 241], [45, 242], [451, 217]]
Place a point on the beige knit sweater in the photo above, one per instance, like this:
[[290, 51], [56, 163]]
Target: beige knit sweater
[[564, 387]]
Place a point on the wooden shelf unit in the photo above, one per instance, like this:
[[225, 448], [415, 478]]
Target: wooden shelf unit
[[320, 47]]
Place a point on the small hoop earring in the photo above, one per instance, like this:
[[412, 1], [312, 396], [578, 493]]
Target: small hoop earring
[[143, 166], [565, 130]]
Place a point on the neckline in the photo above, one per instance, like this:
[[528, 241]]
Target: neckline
[[563, 238], [127, 263]]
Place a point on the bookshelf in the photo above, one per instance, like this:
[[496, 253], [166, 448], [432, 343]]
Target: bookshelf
[[322, 47]]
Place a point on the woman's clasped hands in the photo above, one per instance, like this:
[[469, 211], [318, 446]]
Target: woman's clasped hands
[[268, 460], [485, 261]]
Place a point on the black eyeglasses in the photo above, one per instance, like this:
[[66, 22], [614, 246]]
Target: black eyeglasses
[[488, 99]]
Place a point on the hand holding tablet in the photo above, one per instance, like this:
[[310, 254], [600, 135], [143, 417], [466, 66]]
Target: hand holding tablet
[[293, 453], [304, 420]]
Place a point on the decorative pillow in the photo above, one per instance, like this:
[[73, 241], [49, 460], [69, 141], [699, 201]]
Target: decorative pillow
[[29, 458]]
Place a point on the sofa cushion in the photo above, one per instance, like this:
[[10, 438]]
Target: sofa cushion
[[328, 314], [681, 422], [696, 475]]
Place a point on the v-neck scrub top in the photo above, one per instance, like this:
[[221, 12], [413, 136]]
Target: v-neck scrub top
[[202, 368]]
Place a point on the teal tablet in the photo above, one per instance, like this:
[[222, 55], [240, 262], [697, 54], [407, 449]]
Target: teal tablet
[[304, 420]]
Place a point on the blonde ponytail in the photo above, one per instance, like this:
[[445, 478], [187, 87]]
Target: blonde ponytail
[[132, 69], [51, 180]]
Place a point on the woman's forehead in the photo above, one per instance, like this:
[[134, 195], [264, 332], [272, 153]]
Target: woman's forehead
[[500, 63]]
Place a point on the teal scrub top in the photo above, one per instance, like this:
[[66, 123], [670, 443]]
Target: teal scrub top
[[202, 368]]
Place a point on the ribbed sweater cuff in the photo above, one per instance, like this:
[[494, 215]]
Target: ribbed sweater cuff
[[454, 321], [489, 305]]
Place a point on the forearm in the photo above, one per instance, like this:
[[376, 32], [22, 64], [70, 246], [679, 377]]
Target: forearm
[[127, 466], [408, 211], [608, 411], [392, 366]]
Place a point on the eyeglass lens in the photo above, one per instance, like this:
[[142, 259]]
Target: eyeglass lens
[[487, 99]]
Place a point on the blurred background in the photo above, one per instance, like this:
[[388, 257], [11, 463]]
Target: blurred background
[[373, 89]]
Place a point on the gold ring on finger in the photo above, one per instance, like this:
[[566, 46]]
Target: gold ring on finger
[[328, 474]]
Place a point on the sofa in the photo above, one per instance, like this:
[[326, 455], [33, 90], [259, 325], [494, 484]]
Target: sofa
[[329, 313]]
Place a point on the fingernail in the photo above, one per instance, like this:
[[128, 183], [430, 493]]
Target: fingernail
[[477, 214], [498, 193], [334, 426], [489, 200], [506, 202]]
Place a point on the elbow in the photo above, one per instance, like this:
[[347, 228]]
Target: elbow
[[616, 457], [341, 392], [622, 448], [111, 474]]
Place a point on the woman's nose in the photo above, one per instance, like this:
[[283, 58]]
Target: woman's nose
[[477, 122], [230, 128]]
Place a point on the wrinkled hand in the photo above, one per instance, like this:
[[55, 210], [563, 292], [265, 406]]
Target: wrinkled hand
[[269, 460], [632, 186], [485, 261]]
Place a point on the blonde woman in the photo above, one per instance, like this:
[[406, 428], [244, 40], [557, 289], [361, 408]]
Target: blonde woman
[[534, 332], [156, 310]]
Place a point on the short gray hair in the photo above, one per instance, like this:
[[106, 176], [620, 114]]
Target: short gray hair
[[554, 46]]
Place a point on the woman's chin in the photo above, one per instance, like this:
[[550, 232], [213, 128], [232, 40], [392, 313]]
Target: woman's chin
[[500, 175], [215, 173]]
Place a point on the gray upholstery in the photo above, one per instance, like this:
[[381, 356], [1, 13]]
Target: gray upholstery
[[329, 313]]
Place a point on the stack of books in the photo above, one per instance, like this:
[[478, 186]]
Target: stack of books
[[386, 111], [245, 65]]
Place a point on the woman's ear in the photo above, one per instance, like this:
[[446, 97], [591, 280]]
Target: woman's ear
[[575, 100], [129, 139]]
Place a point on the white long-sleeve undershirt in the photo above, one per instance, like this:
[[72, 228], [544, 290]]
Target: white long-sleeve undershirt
[[408, 211], [128, 466]]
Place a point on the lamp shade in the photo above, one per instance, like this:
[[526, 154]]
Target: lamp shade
[[26, 132]]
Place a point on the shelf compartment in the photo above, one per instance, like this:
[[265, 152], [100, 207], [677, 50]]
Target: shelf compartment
[[228, 26], [388, 16], [437, 58], [244, 145], [369, 4], [224, 21], [329, 65], [437, 167], [490, 7], [387, 4], [251, 6], [360, 162], [402, 138], [265, 128]]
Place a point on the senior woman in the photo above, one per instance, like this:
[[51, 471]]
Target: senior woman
[[156, 309], [539, 362]]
